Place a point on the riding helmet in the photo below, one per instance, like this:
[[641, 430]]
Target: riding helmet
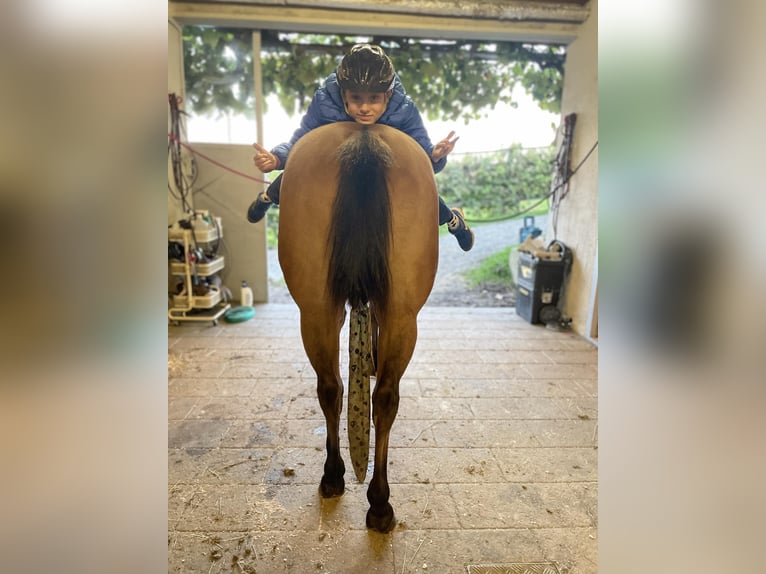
[[366, 68]]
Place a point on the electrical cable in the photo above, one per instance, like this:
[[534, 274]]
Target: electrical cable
[[182, 182]]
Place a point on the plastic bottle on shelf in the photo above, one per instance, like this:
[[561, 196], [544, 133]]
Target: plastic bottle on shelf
[[246, 295]]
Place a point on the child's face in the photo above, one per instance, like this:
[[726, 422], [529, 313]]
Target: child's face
[[365, 107]]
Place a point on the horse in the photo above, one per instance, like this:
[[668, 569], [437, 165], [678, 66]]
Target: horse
[[358, 225]]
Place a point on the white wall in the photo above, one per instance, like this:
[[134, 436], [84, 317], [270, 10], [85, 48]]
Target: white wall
[[578, 213], [228, 196]]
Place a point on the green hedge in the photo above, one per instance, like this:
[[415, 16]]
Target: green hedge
[[495, 185]]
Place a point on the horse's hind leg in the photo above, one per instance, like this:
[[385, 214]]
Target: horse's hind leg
[[395, 353], [321, 334]]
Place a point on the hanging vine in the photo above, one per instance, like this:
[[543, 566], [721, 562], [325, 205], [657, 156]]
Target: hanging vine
[[449, 80]]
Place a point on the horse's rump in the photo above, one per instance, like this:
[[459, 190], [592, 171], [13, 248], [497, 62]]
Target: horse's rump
[[359, 208]]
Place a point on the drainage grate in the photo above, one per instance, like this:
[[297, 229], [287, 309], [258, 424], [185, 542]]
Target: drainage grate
[[514, 568]]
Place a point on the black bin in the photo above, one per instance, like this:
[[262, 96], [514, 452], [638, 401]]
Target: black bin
[[539, 284]]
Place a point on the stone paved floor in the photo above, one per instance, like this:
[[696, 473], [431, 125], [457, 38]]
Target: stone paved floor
[[493, 455]]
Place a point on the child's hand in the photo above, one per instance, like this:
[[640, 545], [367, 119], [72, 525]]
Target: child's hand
[[445, 146], [264, 160]]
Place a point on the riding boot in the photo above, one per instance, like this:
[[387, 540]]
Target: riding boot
[[265, 199]]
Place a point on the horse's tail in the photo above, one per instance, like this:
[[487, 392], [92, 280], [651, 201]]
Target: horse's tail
[[360, 231]]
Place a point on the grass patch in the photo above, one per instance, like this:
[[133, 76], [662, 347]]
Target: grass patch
[[493, 271]]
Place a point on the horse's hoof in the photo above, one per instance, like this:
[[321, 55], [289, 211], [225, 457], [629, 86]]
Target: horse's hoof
[[330, 489], [382, 523]]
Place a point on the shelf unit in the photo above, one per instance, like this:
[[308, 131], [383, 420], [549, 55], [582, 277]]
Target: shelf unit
[[195, 268]]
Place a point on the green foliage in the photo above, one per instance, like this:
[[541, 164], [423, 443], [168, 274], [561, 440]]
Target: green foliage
[[494, 185], [272, 227], [218, 68], [493, 271], [448, 80]]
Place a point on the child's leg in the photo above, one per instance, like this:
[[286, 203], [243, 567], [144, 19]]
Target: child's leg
[[272, 192], [456, 225], [445, 213], [261, 205]]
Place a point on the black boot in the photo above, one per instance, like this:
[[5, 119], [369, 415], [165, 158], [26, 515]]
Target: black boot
[[258, 208], [261, 205]]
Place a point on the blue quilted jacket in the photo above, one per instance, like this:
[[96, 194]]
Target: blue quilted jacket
[[327, 107]]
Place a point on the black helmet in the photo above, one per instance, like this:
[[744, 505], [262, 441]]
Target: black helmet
[[366, 68]]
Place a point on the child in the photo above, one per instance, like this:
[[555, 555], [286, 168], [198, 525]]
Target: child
[[365, 89]]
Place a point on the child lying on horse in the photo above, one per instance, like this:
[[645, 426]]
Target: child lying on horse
[[365, 89]]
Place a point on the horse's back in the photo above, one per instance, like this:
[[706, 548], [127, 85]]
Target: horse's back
[[307, 197]]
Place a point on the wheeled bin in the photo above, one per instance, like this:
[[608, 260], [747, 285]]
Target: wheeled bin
[[540, 281]]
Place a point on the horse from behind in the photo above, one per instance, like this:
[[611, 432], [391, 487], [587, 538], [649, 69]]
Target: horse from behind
[[359, 226]]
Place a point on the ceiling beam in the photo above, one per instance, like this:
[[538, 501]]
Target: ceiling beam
[[351, 22], [539, 10]]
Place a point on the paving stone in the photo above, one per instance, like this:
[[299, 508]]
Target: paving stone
[[584, 408], [587, 357], [518, 408], [482, 433], [564, 432], [262, 408], [280, 552], [180, 408], [450, 551], [442, 465], [299, 466], [513, 356], [261, 507], [253, 433], [424, 506], [196, 433], [205, 343], [434, 408], [557, 464], [218, 465], [562, 371], [538, 505], [214, 387]]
